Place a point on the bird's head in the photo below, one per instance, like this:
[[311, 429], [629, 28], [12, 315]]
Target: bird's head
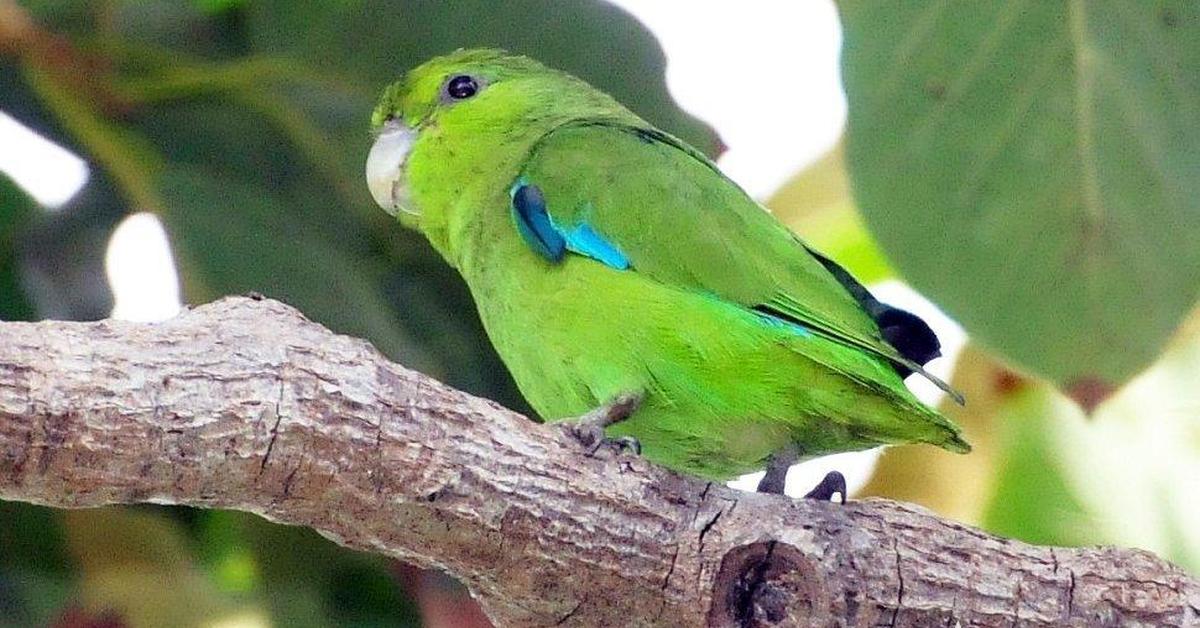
[[468, 114]]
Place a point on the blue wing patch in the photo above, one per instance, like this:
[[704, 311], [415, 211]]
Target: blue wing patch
[[547, 239]]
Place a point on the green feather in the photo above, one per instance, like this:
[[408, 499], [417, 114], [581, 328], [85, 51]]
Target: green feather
[[742, 253]]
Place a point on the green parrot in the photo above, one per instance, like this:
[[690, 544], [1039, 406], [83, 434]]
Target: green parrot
[[626, 282]]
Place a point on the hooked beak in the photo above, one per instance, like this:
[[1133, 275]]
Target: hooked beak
[[385, 167]]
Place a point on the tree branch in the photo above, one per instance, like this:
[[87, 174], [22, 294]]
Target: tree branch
[[244, 404]]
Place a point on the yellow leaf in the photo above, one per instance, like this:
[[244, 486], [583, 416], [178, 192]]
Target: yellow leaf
[[137, 563], [817, 204]]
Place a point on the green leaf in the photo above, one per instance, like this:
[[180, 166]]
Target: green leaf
[[376, 40], [1034, 167]]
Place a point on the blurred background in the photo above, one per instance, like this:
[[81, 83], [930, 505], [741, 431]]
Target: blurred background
[[1024, 175]]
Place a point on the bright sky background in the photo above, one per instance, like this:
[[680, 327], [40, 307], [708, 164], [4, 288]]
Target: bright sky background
[[764, 74], [50, 173]]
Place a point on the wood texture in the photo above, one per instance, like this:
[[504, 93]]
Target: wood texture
[[244, 404]]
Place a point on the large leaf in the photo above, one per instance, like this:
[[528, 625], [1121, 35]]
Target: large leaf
[[1035, 168], [377, 40]]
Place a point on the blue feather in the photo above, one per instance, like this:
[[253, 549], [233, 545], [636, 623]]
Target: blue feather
[[585, 241], [547, 239]]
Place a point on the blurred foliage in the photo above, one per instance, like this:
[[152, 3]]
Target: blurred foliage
[[1030, 498], [1032, 167], [1127, 475], [35, 569], [1050, 147], [121, 553], [1039, 471], [154, 566], [1135, 465]]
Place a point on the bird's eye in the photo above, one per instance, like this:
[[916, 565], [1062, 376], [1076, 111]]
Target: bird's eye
[[462, 87]]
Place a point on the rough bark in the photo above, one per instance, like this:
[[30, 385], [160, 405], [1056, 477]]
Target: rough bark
[[244, 404]]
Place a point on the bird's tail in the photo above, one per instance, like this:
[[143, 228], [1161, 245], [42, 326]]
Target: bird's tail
[[903, 419]]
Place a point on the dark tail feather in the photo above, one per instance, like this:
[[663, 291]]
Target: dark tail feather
[[905, 331]]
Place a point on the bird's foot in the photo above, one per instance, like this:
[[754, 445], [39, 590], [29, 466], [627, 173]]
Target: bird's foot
[[589, 428], [834, 483]]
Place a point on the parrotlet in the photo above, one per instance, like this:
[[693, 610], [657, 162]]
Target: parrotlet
[[624, 279]]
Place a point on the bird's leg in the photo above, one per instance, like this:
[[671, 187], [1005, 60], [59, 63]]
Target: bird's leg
[[588, 429], [778, 464]]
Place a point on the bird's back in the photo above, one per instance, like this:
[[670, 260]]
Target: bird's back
[[728, 381]]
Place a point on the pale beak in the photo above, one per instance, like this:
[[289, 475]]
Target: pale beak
[[385, 167]]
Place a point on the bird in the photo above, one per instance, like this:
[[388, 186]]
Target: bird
[[635, 293]]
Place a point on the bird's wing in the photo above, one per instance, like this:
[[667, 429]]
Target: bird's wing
[[637, 199]]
